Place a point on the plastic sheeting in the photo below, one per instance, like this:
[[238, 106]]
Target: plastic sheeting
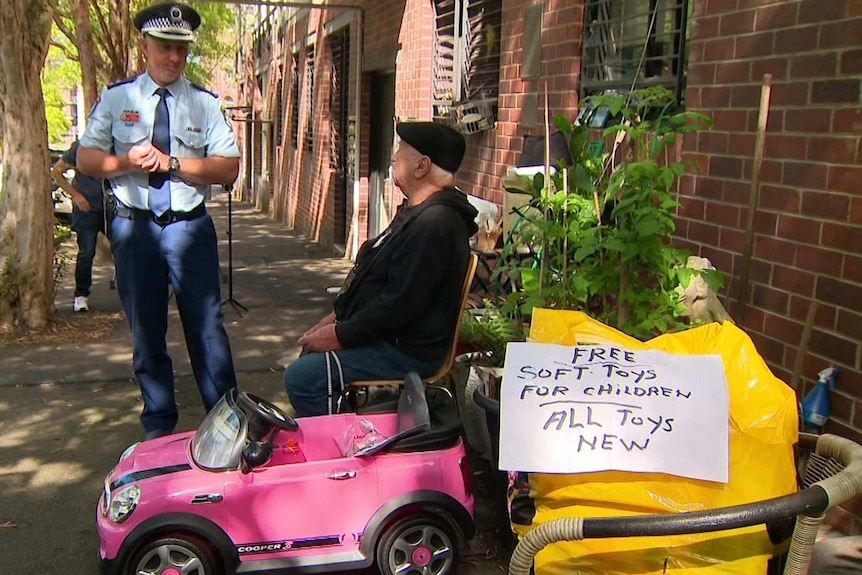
[[763, 429]]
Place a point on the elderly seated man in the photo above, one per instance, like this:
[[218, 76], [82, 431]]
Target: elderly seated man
[[398, 308]]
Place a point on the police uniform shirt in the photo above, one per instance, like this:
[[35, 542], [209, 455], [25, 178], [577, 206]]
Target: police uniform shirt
[[124, 117]]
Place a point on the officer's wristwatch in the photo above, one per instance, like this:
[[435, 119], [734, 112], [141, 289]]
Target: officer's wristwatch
[[173, 165]]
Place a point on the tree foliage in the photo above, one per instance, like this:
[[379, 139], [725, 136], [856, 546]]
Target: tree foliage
[[59, 78], [115, 40]]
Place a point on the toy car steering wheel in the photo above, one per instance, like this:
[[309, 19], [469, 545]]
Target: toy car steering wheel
[[269, 412]]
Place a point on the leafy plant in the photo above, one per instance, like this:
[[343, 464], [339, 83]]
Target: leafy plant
[[597, 236], [489, 332]]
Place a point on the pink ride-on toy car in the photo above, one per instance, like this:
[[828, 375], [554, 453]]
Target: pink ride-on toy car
[[255, 491]]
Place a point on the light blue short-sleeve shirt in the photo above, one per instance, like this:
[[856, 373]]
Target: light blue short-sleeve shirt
[[124, 117]]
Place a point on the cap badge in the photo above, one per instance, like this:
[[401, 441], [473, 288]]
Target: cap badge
[[176, 14]]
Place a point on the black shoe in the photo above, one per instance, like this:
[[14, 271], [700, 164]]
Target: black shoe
[[156, 433]]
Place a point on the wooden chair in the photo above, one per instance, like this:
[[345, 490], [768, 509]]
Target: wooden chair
[[352, 388]]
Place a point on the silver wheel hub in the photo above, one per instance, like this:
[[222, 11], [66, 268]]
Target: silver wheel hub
[[421, 550], [170, 560]]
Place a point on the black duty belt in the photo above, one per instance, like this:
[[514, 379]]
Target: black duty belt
[[166, 218]]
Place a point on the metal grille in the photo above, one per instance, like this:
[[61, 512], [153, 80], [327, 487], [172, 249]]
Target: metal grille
[[279, 110], [467, 52], [309, 97], [294, 102], [339, 46], [636, 42], [481, 51]]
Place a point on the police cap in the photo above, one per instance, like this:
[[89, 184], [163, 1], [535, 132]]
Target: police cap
[[168, 21]]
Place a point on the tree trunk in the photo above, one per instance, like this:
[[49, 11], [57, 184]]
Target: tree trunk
[[120, 40], [86, 53], [26, 239]]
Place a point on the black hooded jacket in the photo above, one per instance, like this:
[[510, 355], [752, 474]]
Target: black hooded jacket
[[406, 284]]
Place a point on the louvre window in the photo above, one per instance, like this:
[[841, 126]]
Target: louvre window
[[467, 52], [636, 42], [309, 96]]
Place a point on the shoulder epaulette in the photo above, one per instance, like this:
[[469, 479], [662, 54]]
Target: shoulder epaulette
[[202, 89], [121, 82]]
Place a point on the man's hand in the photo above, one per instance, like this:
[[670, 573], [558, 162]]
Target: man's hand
[[148, 158], [325, 321], [321, 339]]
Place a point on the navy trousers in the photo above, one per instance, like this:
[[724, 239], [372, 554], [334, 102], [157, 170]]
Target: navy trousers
[[183, 254]]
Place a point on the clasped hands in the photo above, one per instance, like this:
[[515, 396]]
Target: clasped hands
[[147, 158], [321, 337]]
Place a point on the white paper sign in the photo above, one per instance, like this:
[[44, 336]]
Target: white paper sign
[[596, 408]]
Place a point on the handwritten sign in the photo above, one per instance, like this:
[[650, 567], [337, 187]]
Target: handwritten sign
[[597, 408]]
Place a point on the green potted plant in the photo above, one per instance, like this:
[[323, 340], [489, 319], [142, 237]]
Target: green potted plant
[[596, 236]]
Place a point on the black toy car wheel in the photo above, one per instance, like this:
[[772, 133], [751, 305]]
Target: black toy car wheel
[[171, 555], [420, 544]]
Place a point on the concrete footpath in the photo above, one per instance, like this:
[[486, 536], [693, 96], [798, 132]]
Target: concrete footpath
[[69, 408], [280, 278]]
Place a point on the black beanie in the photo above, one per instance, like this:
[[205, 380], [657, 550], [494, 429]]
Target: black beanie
[[443, 145]]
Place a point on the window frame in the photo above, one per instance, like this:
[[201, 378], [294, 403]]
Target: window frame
[[461, 53], [625, 11]]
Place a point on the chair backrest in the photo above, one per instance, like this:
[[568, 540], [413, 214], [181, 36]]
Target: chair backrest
[[449, 362], [465, 294]]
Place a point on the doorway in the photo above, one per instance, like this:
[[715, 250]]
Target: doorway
[[381, 136], [339, 99]]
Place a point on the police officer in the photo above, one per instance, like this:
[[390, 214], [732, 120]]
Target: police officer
[[161, 140]]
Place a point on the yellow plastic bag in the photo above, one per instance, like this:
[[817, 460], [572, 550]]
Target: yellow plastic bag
[[763, 431]]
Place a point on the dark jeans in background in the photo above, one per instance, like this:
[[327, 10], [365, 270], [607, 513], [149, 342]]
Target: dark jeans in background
[[87, 226]]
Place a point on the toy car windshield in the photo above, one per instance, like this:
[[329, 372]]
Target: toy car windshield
[[218, 443]]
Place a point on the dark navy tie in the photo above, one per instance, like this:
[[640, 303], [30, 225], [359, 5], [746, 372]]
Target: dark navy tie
[[160, 182]]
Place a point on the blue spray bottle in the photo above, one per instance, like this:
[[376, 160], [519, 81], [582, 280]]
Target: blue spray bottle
[[815, 406]]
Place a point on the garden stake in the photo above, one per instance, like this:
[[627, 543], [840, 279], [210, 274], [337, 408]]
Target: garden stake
[[753, 197], [543, 262], [798, 365], [565, 237]]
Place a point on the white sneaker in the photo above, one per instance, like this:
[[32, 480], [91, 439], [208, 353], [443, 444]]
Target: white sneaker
[[81, 303]]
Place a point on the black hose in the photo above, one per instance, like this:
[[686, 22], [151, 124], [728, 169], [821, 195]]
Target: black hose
[[811, 501]]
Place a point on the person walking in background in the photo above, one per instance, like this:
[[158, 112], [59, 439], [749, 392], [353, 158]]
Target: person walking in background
[[88, 220], [162, 140]]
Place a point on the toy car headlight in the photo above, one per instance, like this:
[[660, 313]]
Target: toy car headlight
[[129, 450], [123, 503]]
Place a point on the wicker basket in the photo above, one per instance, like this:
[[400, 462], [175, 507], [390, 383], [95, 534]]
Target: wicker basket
[[474, 117]]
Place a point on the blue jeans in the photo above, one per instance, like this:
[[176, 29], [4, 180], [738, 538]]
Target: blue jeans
[[308, 383], [87, 225]]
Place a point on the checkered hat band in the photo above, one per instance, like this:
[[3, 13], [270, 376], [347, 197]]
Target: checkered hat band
[[165, 24]]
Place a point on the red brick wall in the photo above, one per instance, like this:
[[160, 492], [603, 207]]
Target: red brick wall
[[299, 195], [808, 226], [490, 153]]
